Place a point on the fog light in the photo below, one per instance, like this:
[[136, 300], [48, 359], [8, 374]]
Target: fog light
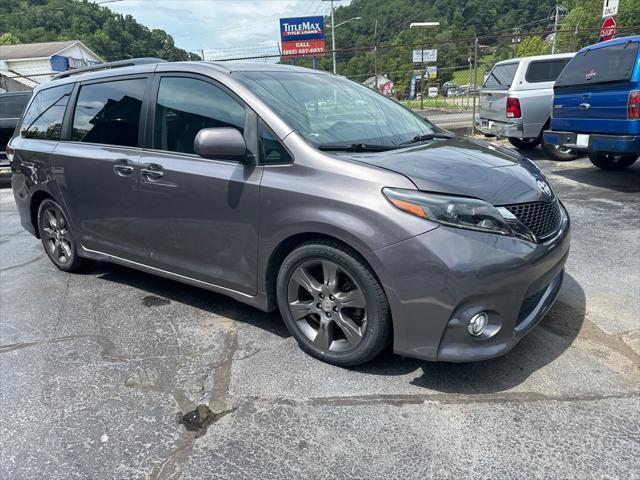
[[478, 324]]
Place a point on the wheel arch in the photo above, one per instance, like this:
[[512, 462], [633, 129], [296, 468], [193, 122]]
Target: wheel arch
[[290, 243], [36, 200]]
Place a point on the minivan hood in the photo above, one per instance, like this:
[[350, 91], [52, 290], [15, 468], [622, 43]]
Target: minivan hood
[[466, 167]]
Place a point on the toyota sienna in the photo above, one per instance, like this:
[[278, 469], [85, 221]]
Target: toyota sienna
[[295, 189]]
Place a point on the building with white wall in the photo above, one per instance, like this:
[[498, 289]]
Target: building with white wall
[[24, 66]]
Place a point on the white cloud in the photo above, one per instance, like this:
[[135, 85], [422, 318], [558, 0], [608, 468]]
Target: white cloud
[[222, 28]]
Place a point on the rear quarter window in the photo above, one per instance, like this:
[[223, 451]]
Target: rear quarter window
[[43, 118], [545, 70], [501, 76], [606, 64]]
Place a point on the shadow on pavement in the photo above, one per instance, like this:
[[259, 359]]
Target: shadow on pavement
[[192, 296], [626, 181], [564, 321], [491, 376]]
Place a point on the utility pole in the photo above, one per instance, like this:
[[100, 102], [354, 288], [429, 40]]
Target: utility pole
[[333, 35], [516, 39], [555, 30], [375, 52], [475, 84]]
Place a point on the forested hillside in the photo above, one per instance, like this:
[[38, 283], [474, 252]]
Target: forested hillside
[[110, 35], [494, 21]]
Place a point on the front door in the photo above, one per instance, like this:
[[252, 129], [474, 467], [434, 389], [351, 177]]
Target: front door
[[97, 165], [199, 216]]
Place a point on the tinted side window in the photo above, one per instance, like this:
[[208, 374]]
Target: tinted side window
[[545, 70], [271, 150], [187, 105], [501, 76], [43, 119], [109, 112]]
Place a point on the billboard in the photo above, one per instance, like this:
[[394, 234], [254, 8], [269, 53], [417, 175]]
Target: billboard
[[302, 36], [429, 56]]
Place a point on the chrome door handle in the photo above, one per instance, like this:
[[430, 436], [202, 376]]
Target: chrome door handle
[[152, 171], [123, 170], [584, 106]]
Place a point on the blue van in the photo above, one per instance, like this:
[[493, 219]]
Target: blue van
[[596, 106]]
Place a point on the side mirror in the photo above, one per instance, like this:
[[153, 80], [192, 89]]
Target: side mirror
[[221, 143]]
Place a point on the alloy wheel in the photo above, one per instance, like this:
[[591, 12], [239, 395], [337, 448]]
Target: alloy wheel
[[56, 235], [327, 305]]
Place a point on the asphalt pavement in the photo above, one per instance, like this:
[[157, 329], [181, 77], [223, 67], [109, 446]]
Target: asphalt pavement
[[102, 372]]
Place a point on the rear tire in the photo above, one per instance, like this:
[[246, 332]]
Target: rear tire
[[524, 143], [57, 238], [333, 304], [612, 161]]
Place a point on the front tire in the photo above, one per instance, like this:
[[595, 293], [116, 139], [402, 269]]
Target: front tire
[[524, 143], [333, 304], [57, 238], [612, 161]]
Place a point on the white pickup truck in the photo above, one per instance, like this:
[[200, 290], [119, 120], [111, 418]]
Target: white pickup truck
[[516, 101]]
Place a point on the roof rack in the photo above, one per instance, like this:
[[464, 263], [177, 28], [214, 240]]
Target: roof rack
[[109, 65]]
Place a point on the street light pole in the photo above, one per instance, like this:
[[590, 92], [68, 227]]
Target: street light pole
[[333, 39], [423, 24]]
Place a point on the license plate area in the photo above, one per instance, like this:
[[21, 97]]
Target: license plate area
[[582, 140]]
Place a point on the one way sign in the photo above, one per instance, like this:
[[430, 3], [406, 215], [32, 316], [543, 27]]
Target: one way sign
[[610, 8]]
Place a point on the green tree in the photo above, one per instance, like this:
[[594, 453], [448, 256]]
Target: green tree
[[8, 39], [110, 35], [533, 45]]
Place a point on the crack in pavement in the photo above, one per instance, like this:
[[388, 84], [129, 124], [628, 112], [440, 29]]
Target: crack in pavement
[[108, 350], [171, 467], [440, 398], [23, 264]]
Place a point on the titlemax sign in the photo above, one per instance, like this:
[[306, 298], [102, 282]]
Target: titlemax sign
[[302, 28]]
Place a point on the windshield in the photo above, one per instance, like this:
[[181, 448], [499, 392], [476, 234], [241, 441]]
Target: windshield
[[329, 110]]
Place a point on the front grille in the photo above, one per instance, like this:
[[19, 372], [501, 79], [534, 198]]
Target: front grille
[[528, 305], [542, 218]]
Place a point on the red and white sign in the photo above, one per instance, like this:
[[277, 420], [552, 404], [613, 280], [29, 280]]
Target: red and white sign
[[608, 29], [303, 47], [302, 36]]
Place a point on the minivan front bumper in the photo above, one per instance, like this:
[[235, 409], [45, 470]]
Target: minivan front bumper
[[436, 282], [595, 142]]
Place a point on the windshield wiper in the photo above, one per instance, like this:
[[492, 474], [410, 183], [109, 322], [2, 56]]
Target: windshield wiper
[[426, 137], [358, 147]]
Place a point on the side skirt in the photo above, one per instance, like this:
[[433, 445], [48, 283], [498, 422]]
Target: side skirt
[[258, 301]]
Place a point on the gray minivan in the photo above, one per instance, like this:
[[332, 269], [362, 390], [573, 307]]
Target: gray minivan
[[295, 189]]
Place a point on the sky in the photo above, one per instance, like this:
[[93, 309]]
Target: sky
[[222, 28]]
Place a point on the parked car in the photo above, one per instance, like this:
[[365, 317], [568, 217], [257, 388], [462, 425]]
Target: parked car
[[516, 99], [596, 107], [364, 223], [11, 107]]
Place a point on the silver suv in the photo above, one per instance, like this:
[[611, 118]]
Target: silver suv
[[516, 101], [292, 188]]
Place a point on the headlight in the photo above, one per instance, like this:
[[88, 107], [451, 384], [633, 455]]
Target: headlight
[[458, 212]]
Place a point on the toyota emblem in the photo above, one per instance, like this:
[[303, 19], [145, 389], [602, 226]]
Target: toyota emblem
[[544, 187]]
